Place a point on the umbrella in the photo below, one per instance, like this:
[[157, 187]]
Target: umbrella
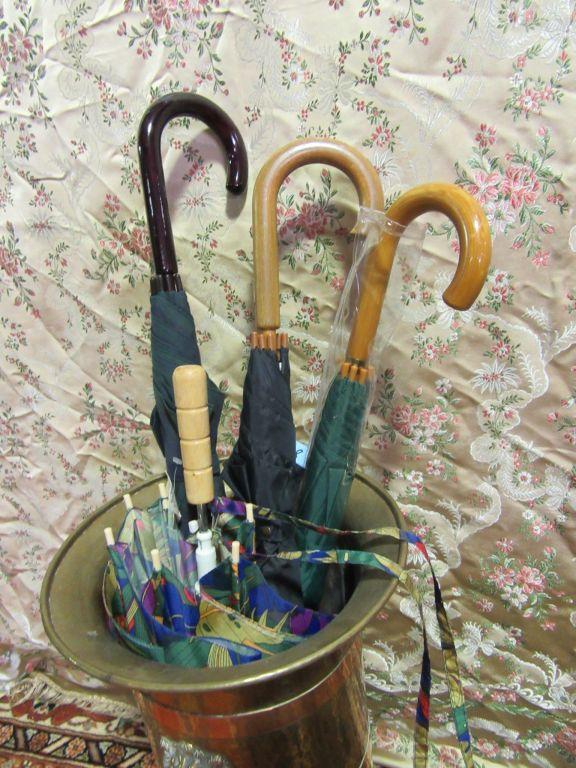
[[262, 466], [173, 334], [333, 453], [235, 617], [149, 607]]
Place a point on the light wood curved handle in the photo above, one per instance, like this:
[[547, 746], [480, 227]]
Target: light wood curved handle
[[473, 262], [191, 397], [264, 232]]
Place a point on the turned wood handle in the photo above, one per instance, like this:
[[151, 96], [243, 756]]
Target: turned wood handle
[[475, 252], [191, 397], [274, 171]]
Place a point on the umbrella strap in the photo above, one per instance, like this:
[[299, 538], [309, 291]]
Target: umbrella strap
[[227, 509], [449, 655]]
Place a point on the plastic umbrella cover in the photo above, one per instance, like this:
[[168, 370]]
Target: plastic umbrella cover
[[346, 394]]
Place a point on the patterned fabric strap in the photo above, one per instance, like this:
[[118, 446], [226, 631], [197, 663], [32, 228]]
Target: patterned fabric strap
[[229, 509]]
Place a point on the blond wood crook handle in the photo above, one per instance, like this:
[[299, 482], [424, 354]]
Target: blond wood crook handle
[[473, 262], [274, 171], [191, 397]]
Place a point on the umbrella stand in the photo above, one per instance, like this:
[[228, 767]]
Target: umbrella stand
[[297, 708], [173, 333], [333, 454]]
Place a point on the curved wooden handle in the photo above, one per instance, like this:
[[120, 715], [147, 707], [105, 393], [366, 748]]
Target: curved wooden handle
[[272, 174], [475, 252], [191, 396]]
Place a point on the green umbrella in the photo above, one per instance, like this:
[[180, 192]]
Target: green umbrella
[[173, 333], [330, 470], [334, 451]]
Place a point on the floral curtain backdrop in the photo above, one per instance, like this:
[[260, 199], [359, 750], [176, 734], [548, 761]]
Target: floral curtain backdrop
[[473, 426]]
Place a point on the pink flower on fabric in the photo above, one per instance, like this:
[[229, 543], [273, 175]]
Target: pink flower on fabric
[[487, 748], [160, 10], [485, 187], [485, 136], [567, 739], [8, 262], [403, 418], [530, 579], [541, 258], [20, 45], [433, 417], [521, 185], [312, 219], [381, 136], [502, 577], [485, 605]]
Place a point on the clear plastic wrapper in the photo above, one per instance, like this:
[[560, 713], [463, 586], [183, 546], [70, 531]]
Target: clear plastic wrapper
[[360, 335], [370, 227]]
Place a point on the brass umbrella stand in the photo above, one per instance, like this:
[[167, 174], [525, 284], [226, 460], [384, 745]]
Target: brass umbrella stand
[[292, 709]]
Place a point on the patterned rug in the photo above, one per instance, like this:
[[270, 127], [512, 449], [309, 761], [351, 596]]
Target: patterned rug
[[43, 725]]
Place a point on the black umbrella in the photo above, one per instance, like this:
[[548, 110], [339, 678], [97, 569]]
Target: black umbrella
[[262, 467], [173, 333]]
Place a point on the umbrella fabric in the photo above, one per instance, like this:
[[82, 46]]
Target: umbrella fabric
[[170, 604], [189, 652], [175, 551], [173, 341], [126, 605], [257, 601], [218, 620], [230, 516], [262, 467], [329, 473], [449, 655]]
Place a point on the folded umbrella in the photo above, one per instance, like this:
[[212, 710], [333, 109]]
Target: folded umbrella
[[333, 454], [173, 333], [160, 622]]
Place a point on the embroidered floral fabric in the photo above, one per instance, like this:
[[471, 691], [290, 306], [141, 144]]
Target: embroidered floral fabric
[[473, 425]]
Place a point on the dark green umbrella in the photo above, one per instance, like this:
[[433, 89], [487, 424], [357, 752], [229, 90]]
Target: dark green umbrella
[[334, 451], [173, 334], [330, 470]]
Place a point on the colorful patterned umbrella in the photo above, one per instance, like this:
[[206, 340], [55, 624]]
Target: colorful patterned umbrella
[[173, 333], [333, 453], [156, 607]]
